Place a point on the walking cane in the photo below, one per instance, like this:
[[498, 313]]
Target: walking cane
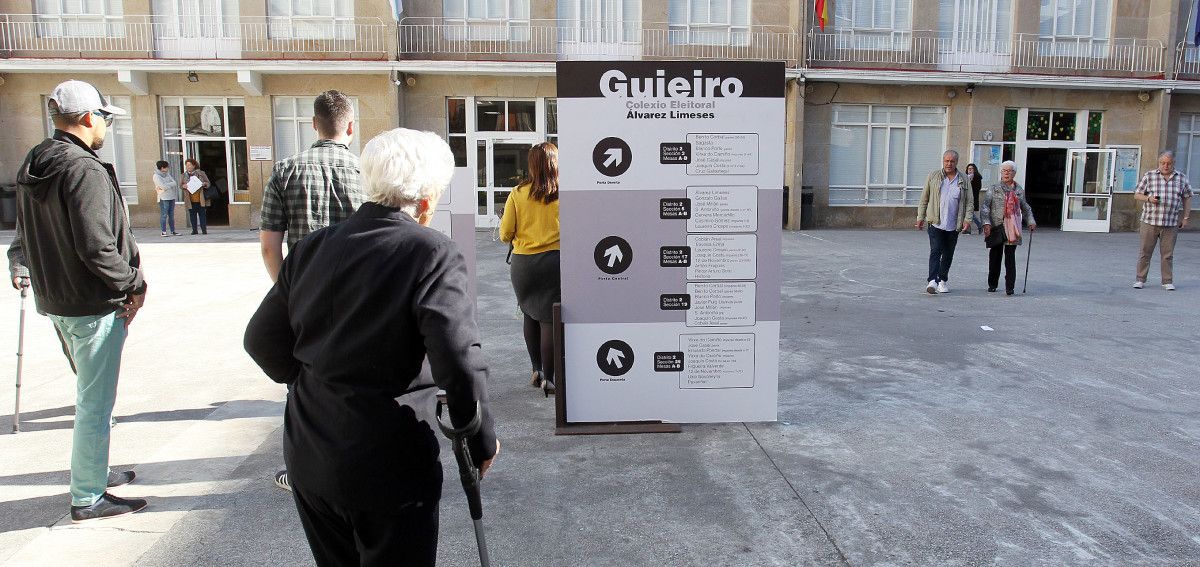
[[24, 284], [468, 473], [1028, 251]]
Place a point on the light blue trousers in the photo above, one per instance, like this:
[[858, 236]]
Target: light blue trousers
[[95, 343]]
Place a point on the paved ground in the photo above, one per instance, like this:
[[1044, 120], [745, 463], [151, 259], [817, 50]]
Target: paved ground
[[909, 435]]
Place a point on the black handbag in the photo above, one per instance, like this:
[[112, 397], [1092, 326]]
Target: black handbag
[[995, 238]]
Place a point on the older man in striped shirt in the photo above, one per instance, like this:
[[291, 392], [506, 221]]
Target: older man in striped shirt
[[1166, 198]]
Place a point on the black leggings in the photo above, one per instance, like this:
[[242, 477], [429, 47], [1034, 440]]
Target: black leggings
[[539, 340]]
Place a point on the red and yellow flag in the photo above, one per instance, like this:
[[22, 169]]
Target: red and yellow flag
[[822, 12]]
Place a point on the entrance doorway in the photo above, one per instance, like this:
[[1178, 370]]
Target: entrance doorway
[[211, 155], [1045, 176], [503, 163]]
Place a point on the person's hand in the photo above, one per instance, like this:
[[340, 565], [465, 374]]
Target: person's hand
[[987, 230], [1183, 222], [131, 306], [1032, 227], [920, 224], [484, 466], [966, 226], [20, 282]]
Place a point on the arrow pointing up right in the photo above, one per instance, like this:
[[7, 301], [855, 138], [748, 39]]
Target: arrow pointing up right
[[614, 255], [614, 155]]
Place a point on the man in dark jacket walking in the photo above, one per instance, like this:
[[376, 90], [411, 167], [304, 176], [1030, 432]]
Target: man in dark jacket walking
[[73, 241]]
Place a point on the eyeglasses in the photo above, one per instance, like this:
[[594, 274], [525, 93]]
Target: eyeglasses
[[108, 118]]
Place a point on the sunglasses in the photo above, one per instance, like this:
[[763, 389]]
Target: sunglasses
[[108, 118]]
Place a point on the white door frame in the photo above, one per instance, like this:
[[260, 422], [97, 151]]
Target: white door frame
[[1101, 200]]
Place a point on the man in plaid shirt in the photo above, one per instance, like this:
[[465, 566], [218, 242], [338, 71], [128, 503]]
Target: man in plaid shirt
[[311, 190], [1166, 198], [315, 188]]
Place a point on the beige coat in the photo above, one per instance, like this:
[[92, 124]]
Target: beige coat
[[930, 207]]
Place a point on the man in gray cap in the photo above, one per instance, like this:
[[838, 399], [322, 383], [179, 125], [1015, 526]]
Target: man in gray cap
[[73, 241]]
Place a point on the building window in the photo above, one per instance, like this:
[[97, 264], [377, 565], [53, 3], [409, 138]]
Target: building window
[[311, 19], [600, 21], [505, 115], [72, 18], [118, 146], [976, 26], [1187, 150], [552, 120], [881, 155], [709, 22], [456, 129], [1075, 27], [482, 20], [294, 132], [211, 130]]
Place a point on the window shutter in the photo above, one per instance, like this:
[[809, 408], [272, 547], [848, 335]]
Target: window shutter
[[285, 138], [454, 9], [700, 13], [739, 13], [677, 12]]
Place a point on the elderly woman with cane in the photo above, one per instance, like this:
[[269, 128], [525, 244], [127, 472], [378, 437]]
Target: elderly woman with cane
[[358, 307], [1003, 211]]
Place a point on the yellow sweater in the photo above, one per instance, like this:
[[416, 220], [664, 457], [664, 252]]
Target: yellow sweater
[[531, 226]]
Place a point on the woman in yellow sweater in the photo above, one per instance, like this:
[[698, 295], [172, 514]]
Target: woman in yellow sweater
[[530, 224]]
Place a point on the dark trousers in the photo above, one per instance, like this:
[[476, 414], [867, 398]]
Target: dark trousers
[[401, 535], [199, 218], [1010, 266], [941, 252]]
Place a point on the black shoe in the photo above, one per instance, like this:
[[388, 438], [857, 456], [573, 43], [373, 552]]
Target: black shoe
[[116, 479], [194, 232], [1008, 292], [536, 379], [991, 290], [108, 506], [547, 387], [205, 231], [173, 233]]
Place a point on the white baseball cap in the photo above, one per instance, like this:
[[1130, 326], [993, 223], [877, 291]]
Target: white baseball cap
[[77, 96]]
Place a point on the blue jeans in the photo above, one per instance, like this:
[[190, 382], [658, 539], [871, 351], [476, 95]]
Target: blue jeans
[[166, 214], [941, 252], [95, 342]]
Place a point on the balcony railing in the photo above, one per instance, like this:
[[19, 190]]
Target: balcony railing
[[206, 37], [1187, 61], [551, 40], [1015, 53]]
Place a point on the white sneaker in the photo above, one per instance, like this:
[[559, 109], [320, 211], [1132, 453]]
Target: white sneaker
[[943, 288], [1169, 286], [1139, 285], [931, 288]]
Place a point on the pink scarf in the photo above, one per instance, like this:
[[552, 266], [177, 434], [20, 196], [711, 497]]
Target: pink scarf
[[1012, 216]]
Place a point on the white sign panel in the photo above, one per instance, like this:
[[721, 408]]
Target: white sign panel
[[671, 207], [260, 153]]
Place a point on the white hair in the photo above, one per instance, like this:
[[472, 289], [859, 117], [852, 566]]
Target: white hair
[[400, 167], [1009, 164], [950, 153]]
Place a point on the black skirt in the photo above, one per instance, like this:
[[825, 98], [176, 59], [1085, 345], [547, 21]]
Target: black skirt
[[537, 282]]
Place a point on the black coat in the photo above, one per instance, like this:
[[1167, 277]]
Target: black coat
[[73, 239], [358, 308]]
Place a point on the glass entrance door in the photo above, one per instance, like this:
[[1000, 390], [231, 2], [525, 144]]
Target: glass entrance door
[[502, 164], [1087, 197]]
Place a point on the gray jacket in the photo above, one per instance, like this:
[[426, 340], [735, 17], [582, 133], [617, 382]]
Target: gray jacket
[[73, 239]]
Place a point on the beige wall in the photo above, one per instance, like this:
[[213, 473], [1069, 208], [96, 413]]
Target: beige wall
[[23, 120], [1126, 121]]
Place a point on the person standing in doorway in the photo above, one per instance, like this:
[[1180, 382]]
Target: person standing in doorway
[[167, 190], [530, 223], [311, 190], [1005, 210], [944, 205], [74, 245], [975, 180], [1166, 198], [196, 201]]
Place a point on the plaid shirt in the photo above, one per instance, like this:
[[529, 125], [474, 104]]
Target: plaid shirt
[[1171, 192], [311, 190]]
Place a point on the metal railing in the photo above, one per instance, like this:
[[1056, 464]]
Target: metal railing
[[1187, 61], [554, 39], [1018, 52], [203, 37]]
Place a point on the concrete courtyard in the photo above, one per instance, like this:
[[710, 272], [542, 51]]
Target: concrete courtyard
[[1058, 427]]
